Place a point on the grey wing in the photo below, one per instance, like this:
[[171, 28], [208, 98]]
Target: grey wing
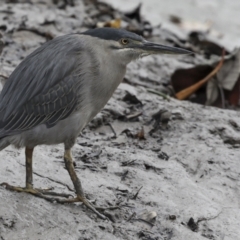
[[41, 89], [49, 108]]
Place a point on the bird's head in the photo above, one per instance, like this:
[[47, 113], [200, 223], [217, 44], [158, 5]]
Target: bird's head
[[128, 46]]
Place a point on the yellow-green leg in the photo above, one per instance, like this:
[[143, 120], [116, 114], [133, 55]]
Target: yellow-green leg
[[29, 181], [29, 171], [42, 193], [77, 185]]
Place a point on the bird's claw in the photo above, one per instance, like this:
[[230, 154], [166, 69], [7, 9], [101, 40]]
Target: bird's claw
[[43, 192], [86, 203], [36, 191]]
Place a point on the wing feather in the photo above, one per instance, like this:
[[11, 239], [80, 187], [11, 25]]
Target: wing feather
[[42, 88]]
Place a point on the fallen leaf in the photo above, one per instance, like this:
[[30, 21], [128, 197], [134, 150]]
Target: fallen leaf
[[116, 23]]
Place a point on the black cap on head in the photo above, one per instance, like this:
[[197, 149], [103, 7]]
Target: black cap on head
[[112, 34]]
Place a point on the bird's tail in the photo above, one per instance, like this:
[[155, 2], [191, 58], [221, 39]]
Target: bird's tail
[[3, 142]]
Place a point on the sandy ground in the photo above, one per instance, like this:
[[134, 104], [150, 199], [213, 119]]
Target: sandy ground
[[190, 169]]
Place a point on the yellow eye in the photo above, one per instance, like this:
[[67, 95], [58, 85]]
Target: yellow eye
[[124, 41]]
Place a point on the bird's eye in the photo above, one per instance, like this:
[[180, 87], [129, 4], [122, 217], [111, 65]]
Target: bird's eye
[[124, 41]]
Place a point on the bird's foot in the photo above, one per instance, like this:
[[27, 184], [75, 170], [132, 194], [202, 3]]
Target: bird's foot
[[42, 193], [86, 203], [36, 191]]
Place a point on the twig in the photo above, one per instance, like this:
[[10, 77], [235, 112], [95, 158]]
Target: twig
[[70, 189], [132, 216], [136, 194], [159, 94], [64, 184], [47, 35], [124, 164], [134, 115], [113, 130], [3, 76], [107, 208], [190, 90]]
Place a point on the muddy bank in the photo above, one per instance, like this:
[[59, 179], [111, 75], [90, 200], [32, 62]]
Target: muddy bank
[[177, 180]]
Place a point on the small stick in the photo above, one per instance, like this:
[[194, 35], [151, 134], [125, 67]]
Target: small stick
[[3, 76], [132, 216], [124, 164], [159, 94], [51, 179], [114, 132], [135, 196], [190, 90]]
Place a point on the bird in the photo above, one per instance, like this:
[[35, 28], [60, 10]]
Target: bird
[[59, 88]]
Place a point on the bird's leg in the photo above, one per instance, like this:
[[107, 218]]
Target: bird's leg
[[29, 181], [77, 185], [29, 178], [29, 171], [69, 166], [42, 193]]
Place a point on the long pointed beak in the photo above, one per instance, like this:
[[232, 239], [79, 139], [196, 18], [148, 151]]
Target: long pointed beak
[[154, 48]]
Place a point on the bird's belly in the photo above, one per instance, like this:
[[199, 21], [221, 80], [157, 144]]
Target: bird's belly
[[64, 130]]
